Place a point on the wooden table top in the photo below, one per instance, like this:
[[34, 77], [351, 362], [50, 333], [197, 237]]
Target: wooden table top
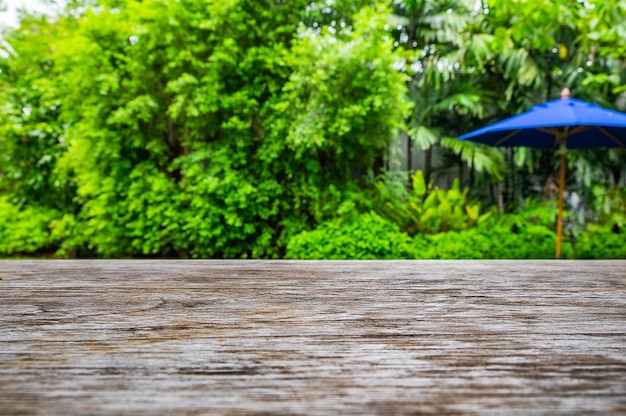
[[314, 338]]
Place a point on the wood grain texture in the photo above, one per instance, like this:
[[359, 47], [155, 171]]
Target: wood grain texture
[[315, 338]]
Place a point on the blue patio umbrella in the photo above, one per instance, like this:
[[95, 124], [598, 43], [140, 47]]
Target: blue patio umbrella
[[560, 124]]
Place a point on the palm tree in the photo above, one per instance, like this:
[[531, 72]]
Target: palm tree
[[445, 55]]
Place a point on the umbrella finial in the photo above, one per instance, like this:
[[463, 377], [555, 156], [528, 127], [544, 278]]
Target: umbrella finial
[[566, 93]]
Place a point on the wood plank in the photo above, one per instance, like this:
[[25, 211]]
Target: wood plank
[[327, 337]]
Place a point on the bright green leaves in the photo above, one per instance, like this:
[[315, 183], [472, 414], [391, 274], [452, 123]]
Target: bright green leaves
[[355, 125], [448, 52], [25, 231], [420, 187], [602, 32], [424, 137], [603, 27], [366, 236], [146, 89], [31, 136], [544, 40], [226, 128], [429, 209], [227, 211], [484, 159]]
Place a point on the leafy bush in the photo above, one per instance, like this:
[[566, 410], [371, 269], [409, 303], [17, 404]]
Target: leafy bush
[[24, 231], [532, 242], [357, 237], [213, 140], [428, 209], [369, 236], [452, 245], [602, 242]]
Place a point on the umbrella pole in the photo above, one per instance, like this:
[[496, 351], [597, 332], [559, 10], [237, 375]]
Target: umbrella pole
[[559, 220]]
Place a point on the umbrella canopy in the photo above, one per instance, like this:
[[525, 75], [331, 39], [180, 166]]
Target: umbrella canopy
[[583, 124], [565, 123]]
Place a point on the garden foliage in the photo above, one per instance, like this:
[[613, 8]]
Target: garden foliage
[[261, 129], [365, 236], [525, 234]]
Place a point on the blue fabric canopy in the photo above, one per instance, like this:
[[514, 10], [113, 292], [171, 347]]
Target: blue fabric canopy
[[564, 123], [574, 123]]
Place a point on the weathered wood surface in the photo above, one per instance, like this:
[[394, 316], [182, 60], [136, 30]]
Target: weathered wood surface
[[281, 337]]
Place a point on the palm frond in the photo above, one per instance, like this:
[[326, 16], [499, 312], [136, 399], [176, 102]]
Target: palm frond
[[424, 137], [484, 159]]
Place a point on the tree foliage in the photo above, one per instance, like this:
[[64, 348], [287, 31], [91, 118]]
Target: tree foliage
[[206, 129], [229, 128]]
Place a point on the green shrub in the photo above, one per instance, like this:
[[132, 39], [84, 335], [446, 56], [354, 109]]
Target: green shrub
[[467, 244], [24, 231], [602, 242], [357, 237], [426, 208], [525, 235], [531, 242]]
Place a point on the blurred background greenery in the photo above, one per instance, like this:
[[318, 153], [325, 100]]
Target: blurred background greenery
[[302, 129]]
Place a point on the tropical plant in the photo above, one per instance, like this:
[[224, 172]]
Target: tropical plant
[[441, 43], [428, 209], [226, 129], [539, 48]]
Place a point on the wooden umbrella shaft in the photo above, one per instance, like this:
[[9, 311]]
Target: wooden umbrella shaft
[[559, 220]]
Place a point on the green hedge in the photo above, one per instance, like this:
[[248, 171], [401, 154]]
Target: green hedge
[[369, 236], [533, 242], [359, 237], [25, 231], [602, 242], [38, 231]]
